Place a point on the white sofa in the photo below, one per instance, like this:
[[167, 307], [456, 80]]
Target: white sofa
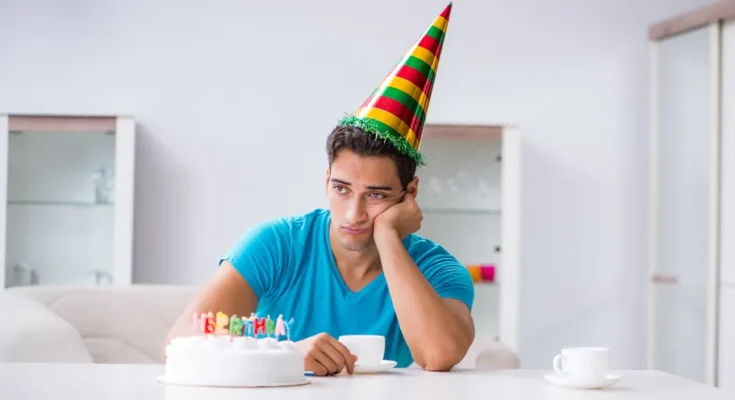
[[109, 324]]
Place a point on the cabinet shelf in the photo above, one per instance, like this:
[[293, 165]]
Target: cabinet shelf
[[450, 210], [58, 203]]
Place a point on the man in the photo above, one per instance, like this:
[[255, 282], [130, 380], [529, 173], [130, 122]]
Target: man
[[358, 267]]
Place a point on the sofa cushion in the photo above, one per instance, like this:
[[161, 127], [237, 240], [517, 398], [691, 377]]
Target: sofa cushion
[[125, 324], [32, 333]]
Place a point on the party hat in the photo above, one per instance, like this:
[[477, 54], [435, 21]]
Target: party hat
[[396, 110]]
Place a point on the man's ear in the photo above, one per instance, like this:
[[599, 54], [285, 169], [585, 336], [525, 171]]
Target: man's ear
[[326, 180], [413, 187]]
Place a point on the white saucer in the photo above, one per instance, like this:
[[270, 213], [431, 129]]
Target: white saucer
[[566, 382], [370, 369]]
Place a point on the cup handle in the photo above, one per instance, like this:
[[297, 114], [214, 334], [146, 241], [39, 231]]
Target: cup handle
[[558, 364]]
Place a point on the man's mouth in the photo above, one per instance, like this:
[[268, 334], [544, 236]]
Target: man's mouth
[[354, 230]]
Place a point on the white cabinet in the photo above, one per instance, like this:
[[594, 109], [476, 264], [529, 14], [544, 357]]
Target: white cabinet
[[683, 202], [469, 194], [726, 337], [726, 367], [692, 198], [67, 188], [727, 179]]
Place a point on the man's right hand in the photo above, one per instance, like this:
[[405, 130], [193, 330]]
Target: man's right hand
[[325, 355]]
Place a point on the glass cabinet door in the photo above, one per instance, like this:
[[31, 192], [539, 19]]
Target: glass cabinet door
[[460, 195], [60, 207], [684, 165]]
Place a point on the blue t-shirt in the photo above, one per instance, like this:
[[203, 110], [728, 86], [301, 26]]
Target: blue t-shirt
[[289, 264]]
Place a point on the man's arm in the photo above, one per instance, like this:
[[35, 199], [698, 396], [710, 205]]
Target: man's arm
[[246, 273], [227, 291], [438, 331]]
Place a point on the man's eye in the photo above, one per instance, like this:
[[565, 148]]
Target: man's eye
[[339, 189], [377, 196]]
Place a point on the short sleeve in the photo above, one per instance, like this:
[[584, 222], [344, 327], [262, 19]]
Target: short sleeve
[[260, 255], [449, 278]]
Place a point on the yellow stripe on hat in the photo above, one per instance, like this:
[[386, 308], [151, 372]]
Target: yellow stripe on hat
[[410, 89], [435, 64], [424, 55], [441, 23], [391, 120]]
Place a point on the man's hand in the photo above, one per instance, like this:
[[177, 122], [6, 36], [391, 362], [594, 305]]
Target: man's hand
[[325, 355], [404, 218]]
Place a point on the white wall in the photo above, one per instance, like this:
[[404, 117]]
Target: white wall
[[229, 94]]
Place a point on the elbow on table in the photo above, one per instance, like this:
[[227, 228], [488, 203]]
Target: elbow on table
[[439, 366], [441, 360]]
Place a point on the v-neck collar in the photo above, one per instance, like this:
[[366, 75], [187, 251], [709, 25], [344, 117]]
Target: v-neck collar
[[346, 291]]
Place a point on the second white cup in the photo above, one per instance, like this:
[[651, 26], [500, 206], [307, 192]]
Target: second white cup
[[583, 364], [369, 349]]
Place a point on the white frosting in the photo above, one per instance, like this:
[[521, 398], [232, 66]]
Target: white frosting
[[269, 343], [244, 343], [233, 361]]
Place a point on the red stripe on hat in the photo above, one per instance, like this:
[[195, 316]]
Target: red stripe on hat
[[416, 126], [412, 76], [395, 108], [438, 52], [447, 11], [429, 43]]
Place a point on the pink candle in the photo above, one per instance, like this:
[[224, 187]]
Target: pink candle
[[280, 327], [198, 322]]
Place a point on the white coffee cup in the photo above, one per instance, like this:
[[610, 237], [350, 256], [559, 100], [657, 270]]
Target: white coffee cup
[[369, 349], [583, 364]]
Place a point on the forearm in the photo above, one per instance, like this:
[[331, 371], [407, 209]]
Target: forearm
[[438, 339]]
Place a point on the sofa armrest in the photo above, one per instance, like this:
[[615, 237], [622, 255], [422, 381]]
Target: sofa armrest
[[33, 333], [497, 356], [488, 353]]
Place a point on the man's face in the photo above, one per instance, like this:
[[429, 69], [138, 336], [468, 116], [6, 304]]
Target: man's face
[[359, 189]]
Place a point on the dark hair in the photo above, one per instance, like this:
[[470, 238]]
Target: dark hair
[[364, 144]]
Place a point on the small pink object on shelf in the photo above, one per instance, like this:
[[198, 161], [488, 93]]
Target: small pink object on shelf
[[487, 272]]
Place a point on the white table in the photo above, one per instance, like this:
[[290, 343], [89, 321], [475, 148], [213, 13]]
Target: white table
[[138, 382]]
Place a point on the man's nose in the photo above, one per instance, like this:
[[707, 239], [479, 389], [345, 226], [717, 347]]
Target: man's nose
[[356, 212]]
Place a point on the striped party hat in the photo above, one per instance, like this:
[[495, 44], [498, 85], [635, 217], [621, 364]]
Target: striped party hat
[[396, 110]]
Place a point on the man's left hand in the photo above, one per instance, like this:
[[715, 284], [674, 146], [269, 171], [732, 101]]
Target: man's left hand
[[404, 218]]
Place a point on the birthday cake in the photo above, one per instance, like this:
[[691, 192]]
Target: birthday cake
[[235, 352]]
